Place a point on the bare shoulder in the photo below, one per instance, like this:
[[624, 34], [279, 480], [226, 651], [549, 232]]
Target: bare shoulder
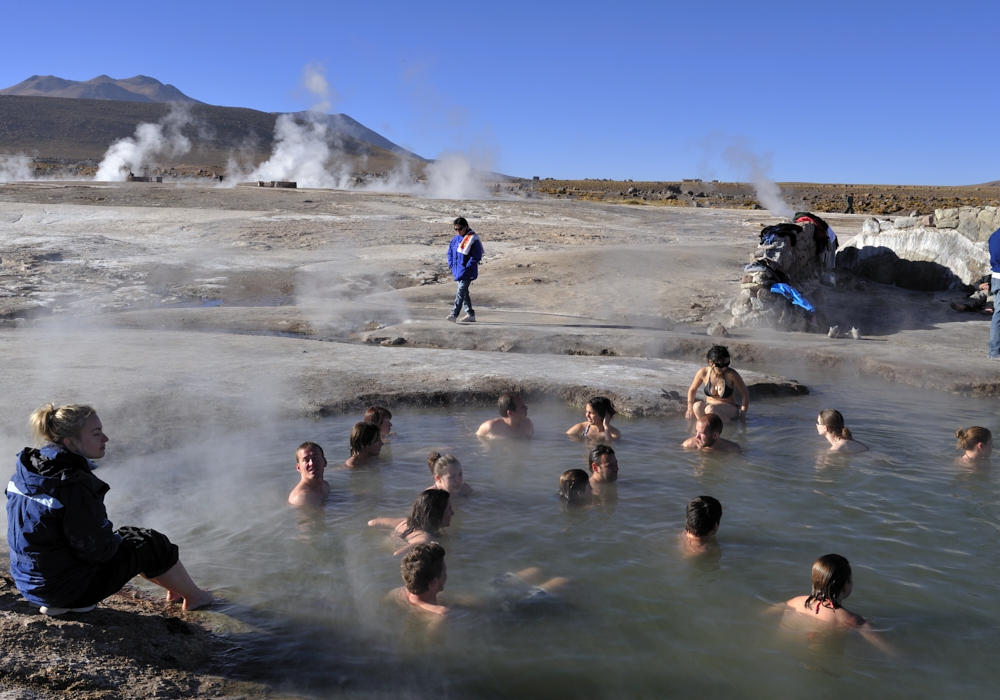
[[798, 602], [576, 429], [306, 497], [486, 429], [690, 444], [731, 446], [528, 428], [850, 619]]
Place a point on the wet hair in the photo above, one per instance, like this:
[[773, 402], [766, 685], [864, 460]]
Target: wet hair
[[602, 406], [308, 446], [507, 402], [421, 565], [363, 435], [573, 484], [376, 415], [718, 355], [970, 437], [830, 574], [703, 514], [51, 424], [599, 451], [428, 512], [438, 463], [715, 424], [834, 422], [461, 222]]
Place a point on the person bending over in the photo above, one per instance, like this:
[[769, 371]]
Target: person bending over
[[431, 512], [312, 488], [380, 417], [598, 424], [719, 383], [575, 488], [830, 424], [701, 522], [366, 442], [706, 438], [447, 473], [513, 421], [976, 443], [65, 555]]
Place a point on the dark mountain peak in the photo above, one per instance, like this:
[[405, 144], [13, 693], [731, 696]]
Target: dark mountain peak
[[140, 88]]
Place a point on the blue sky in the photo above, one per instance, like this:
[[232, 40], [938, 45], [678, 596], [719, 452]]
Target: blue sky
[[852, 92]]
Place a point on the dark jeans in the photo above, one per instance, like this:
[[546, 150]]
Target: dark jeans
[[994, 350], [462, 298], [142, 551]]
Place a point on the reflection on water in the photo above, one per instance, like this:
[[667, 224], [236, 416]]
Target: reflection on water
[[639, 618]]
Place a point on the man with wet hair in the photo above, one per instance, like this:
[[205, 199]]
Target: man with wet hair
[[312, 488], [707, 438], [464, 253], [603, 465], [513, 421], [701, 522], [424, 575]]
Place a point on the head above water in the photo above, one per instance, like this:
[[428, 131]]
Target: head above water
[[381, 417], [573, 485], [364, 436], [447, 471], [510, 403], [703, 516], [308, 447], [833, 421], [602, 406], [718, 355], [831, 575], [708, 428], [431, 511], [969, 438], [603, 463], [421, 566]]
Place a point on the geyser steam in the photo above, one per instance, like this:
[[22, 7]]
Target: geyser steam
[[739, 155], [161, 139], [15, 168]]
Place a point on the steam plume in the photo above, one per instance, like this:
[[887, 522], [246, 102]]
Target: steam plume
[[739, 155], [132, 152], [15, 168]]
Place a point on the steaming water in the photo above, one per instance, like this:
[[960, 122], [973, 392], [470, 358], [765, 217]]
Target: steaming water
[[639, 619]]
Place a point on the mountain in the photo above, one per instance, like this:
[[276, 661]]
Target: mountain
[[343, 124], [141, 88], [82, 129]]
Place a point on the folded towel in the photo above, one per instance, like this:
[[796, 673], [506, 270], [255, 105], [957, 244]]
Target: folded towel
[[465, 247]]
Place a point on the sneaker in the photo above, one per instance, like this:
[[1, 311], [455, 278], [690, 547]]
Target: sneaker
[[52, 611], [468, 318], [452, 318]]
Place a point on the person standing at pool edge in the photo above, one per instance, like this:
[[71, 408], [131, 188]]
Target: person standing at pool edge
[[464, 253], [994, 348]]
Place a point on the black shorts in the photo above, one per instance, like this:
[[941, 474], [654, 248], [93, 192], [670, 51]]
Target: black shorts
[[142, 551]]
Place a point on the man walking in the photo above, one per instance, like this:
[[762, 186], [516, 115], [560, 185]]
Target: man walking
[[464, 253]]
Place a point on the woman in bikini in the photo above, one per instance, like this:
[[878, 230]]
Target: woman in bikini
[[718, 383], [598, 424], [431, 512], [830, 424]]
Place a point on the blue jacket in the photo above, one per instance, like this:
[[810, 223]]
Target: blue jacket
[[57, 527], [995, 251], [464, 267]]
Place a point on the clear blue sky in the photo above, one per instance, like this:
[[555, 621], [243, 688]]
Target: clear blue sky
[[858, 92]]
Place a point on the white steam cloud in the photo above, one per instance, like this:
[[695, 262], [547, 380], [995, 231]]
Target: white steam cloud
[[150, 140], [315, 83], [739, 155], [302, 153], [15, 168]]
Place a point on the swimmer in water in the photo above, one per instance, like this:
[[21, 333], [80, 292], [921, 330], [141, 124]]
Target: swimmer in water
[[447, 473], [598, 424], [366, 442], [719, 384], [424, 576], [380, 417], [312, 488], [701, 522], [603, 466], [832, 583], [976, 443], [513, 421], [706, 438], [830, 424], [431, 512], [575, 488]]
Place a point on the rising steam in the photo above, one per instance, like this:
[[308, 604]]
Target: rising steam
[[15, 168], [739, 155], [150, 140]]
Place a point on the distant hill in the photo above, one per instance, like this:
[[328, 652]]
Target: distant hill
[[141, 88], [343, 124], [82, 129]]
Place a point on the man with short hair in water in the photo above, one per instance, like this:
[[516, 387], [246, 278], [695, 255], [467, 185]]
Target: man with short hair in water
[[702, 519], [603, 465], [706, 437], [513, 421], [312, 488], [424, 575]]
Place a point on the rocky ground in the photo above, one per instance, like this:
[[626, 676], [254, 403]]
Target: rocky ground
[[186, 310]]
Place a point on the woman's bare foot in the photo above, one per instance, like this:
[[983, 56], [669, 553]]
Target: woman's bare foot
[[174, 597], [200, 601]]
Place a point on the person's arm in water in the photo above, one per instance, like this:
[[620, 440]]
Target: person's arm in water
[[386, 522], [529, 427], [412, 540]]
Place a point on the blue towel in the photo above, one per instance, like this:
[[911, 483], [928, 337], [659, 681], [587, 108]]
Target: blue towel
[[790, 292]]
